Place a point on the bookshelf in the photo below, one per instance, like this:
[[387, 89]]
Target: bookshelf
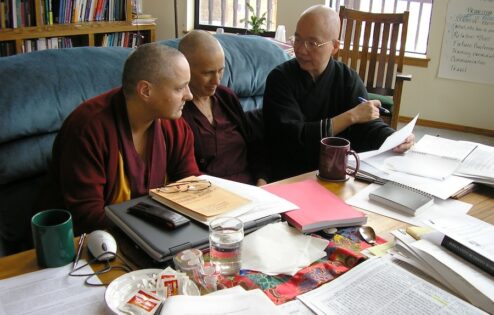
[[93, 28]]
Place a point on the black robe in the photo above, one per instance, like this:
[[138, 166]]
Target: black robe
[[296, 113]]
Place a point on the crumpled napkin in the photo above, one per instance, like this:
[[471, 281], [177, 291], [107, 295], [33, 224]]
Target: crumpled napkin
[[280, 249]]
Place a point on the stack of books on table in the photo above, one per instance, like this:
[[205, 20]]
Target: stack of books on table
[[222, 198], [457, 252], [318, 207]]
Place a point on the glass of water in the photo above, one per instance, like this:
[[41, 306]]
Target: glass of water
[[225, 241]]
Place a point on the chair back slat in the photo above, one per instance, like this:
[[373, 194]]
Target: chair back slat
[[373, 44], [381, 62]]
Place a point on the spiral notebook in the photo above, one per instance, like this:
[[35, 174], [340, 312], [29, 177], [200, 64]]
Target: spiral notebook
[[402, 198]]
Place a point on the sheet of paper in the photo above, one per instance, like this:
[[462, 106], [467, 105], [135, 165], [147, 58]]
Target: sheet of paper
[[439, 188], [443, 147], [469, 231], [477, 286], [295, 307], [52, 291], [393, 140], [242, 303], [440, 208], [382, 287], [280, 249], [423, 165], [479, 164], [263, 203]]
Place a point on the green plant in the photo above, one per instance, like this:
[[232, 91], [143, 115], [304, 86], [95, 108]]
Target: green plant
[[254, 21]]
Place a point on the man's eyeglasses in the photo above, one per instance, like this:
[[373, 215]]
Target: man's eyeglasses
[[190, 185], [309, 44]]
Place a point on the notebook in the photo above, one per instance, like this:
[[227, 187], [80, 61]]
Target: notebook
[[319, 208], [162, 244], [402, 198]]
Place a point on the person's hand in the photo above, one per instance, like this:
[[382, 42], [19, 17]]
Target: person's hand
[[407, 144], [261, 182], [366, 111]]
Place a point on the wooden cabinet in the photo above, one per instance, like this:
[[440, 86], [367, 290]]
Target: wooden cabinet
[[45, 32]]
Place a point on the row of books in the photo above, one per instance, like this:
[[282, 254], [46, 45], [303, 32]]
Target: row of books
[[74, 11], [16, 13], [7, 49], [30, 45], [122, 39]]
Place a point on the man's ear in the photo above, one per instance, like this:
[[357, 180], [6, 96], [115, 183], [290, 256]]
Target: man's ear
[[336, 47], [143, 89]]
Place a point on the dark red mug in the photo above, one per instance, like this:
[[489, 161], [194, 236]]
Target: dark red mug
[[333, 159]]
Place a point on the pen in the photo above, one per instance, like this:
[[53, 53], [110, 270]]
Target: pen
[[80, 245], [382, 109]]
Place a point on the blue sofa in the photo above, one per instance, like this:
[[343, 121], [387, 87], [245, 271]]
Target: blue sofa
[[38, 90]]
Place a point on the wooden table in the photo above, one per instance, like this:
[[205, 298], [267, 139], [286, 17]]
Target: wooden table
[[482, 200]]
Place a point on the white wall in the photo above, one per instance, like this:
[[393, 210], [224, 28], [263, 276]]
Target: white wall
[[441, 100]]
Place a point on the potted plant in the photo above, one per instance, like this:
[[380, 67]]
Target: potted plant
[[254, 21]]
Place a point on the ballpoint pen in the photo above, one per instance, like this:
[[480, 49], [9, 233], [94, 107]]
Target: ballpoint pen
[[382, 109], [80, 245]]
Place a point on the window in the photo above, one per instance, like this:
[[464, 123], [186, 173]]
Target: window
[[418, 21], [231, 14]]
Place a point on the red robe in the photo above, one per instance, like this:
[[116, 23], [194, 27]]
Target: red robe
[[93, 160]]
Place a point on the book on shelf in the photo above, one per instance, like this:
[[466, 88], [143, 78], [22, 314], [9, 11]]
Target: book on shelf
[[143, 19], [200, 205], [319, 208], [402, 198]]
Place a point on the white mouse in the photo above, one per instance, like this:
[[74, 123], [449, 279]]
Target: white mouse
[[99, 242]]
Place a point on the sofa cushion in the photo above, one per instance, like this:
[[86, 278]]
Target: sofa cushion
[[38, 90]]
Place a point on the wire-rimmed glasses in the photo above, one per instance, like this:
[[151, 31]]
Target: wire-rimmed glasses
[[186, 185], [309, 44]]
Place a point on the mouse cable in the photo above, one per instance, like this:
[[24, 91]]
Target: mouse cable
[[105, 269]]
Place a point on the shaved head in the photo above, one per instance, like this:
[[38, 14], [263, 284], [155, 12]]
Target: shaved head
[[198, 43], [324, 18], [207, 62], [150, 62]]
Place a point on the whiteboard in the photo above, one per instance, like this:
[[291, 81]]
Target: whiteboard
[[468, 42]]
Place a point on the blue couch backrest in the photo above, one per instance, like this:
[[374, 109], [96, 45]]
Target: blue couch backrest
[[38, 90]]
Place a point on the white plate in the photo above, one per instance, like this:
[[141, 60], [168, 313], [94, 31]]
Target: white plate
[[124, 285]]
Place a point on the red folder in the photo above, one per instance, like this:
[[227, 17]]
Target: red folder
[[319, 207]]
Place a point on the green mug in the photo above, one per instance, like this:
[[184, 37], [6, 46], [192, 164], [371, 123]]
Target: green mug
[[53, 236]]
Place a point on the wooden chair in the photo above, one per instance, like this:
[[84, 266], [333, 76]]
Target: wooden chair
[[374, 45]]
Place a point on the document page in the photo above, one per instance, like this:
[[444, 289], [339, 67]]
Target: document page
[[469, 231], [52, 291], [383, 287], [392, 141], [479, 164], [445, 148], [241, 303]]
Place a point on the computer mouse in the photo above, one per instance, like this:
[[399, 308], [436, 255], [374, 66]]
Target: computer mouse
[[99, 242]]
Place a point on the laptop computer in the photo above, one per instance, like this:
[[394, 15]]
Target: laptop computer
[[161, 243]]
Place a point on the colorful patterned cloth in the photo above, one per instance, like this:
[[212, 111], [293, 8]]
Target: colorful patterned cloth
[[343, 253]]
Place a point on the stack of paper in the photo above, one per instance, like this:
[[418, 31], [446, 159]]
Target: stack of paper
[[200, 205], [479, 165], [243, 201], [450, 270]]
